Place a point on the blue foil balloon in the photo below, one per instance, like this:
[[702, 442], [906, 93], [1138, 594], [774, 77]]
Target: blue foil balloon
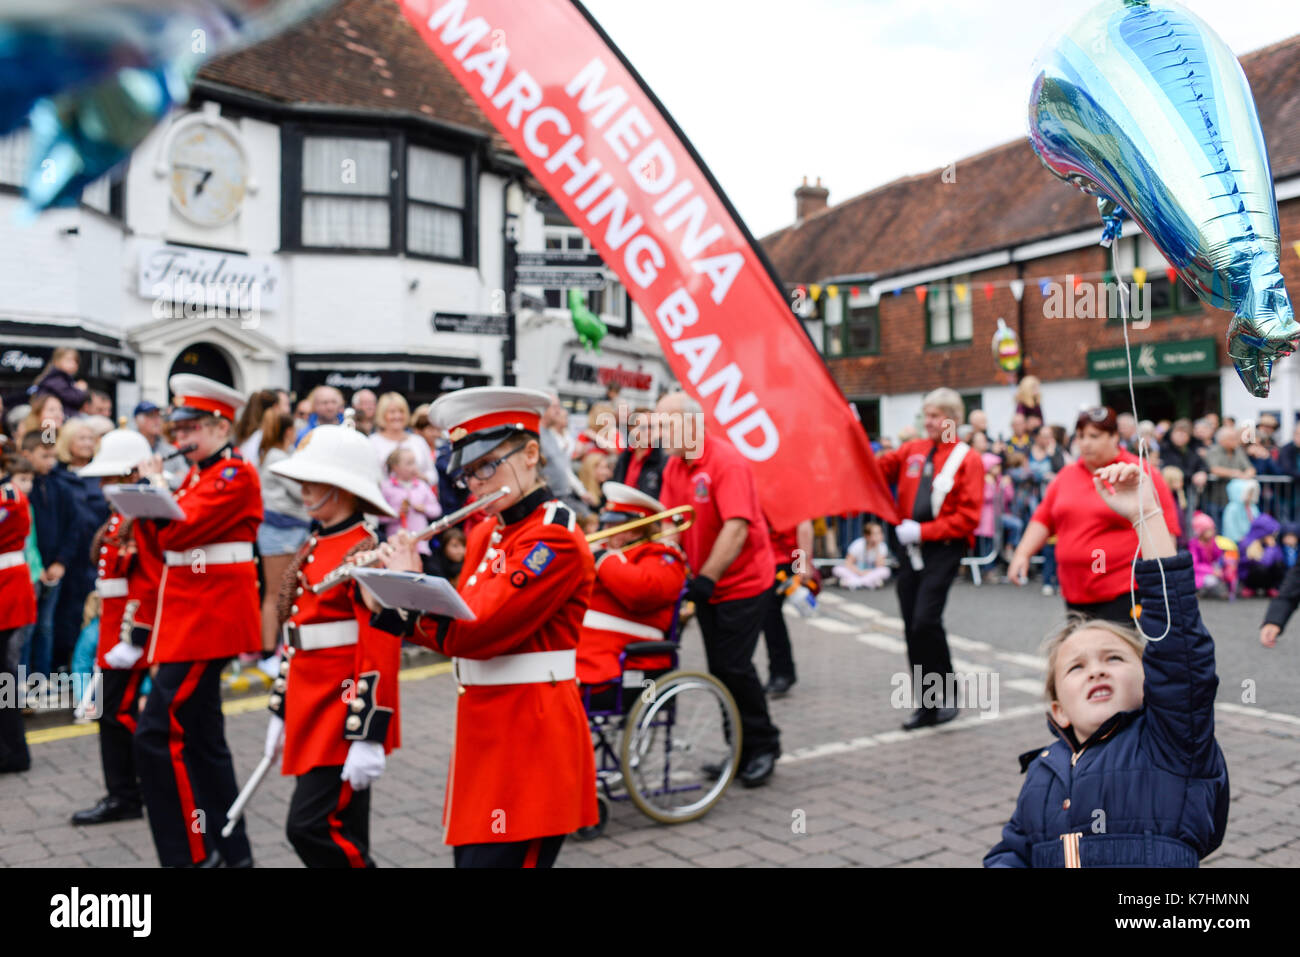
[[1141, 104]]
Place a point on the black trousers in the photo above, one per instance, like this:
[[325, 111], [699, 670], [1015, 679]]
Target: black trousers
[[539, 852], [186, 775], [117, 723], [780, 656], [1118, 609], [329, 822], [921, 597], [730, 636], [14, 755]]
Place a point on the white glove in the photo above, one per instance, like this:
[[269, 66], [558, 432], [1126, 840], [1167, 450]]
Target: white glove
[[122, 655], [274, 737], [364, 764], [908, 532]]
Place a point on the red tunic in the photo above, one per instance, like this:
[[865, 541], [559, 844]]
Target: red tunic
[[961, 506], [124, 568], [17, 596], [208, 610], [720, 484], [522, 765], [639, 586], [321, 691]]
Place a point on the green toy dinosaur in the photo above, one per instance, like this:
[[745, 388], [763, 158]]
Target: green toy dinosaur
[[586, 323]]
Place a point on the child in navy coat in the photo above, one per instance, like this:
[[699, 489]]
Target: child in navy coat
[[1135, 777]]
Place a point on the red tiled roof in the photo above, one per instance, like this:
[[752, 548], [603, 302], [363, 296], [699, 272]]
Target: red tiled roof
[[357, 54], [1001, 197]]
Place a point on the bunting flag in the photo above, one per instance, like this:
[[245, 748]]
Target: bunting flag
[[1017, 288], [960, 289], [815, 291], [832, 291], [854, 291], [599, 142], [988, 290], [1172, 273], [1139, 276], [921, 293]]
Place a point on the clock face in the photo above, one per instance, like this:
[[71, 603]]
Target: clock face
[[209, 174]]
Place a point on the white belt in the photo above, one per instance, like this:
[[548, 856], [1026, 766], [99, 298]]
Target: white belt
[[111, 587], [325, 634], [534, 667], [218, 553], [603, 622], [10, 559]]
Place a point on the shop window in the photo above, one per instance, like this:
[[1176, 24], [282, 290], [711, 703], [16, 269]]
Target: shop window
[[857, 331]]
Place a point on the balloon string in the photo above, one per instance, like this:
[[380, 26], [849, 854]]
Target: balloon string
[[1143, 477]]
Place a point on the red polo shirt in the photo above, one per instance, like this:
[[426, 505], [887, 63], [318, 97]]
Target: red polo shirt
[[1094, 546], [720, 484]]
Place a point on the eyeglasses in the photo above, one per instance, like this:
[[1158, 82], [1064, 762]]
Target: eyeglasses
[[483, 470]]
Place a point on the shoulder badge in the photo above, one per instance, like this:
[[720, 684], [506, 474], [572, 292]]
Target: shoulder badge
[[559, 514], [8, 493], [537, 559]]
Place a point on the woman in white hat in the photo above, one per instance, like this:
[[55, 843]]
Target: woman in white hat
[[333, 743], [130, 566]]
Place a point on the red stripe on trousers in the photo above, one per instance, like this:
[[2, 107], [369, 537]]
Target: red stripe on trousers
[[534, 849], [336, 829], [125, 711], [176, 744]]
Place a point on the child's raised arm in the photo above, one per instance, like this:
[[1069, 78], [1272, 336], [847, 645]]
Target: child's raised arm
[[1181, 680]]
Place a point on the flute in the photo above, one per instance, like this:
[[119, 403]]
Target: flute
[[341, 574]]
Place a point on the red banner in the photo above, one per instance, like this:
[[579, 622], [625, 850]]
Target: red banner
[[597, 140]]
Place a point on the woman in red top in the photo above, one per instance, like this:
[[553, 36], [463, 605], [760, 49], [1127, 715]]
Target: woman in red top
[[1094, 546]]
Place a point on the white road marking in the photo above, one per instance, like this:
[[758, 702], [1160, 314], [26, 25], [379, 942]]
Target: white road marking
[[834, 625], [968, 644], [1242, 709], [890, 737], [863, 611], [827, 597]]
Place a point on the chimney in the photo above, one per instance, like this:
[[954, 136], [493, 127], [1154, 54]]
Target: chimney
[[809, 200]]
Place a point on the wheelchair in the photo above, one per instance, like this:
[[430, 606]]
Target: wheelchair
[[667, 740]]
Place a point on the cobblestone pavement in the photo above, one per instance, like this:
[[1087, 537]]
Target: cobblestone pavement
[[864, 792]]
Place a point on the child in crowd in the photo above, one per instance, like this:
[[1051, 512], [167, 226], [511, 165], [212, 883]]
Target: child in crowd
[[1262, 563], [447, 559], [1290, 543], [410, 496], [1134, 724], [1208, 560], [865, 564], [83, 654], [1240, 512]]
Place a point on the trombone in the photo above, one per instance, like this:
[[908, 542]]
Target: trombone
[[650, 520]]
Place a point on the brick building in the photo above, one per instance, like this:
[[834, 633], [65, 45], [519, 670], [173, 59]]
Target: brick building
[[903, 286]]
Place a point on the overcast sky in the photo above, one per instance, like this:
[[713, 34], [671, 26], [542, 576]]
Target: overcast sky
[[858, 92]]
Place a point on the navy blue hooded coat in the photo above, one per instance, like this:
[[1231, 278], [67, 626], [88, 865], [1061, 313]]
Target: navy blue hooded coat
[[1149, 788]]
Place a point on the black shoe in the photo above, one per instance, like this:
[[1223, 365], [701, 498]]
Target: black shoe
[[713, 770], [929, 718], [212, 861], [779, 686], [108, 809], [758, 769], [245, 863]]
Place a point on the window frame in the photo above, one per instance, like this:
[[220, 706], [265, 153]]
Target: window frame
[[292, 140], [947, 290], [1183, 299], [840, 330]]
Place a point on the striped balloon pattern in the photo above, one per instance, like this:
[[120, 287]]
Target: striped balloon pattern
[[1142, 105]]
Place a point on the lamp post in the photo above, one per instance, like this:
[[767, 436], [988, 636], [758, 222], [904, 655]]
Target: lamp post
[[514, 208]]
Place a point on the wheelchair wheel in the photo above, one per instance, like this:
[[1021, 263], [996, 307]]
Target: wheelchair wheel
[[597, 829], [681, 746]]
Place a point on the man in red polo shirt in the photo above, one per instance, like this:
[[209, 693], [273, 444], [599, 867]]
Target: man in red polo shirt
[[730, 552]]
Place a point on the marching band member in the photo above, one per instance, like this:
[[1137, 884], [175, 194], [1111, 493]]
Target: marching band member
[[17, 610], [635, 593], [333, 743], [208, 612], [522, 766], [129, 569]]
